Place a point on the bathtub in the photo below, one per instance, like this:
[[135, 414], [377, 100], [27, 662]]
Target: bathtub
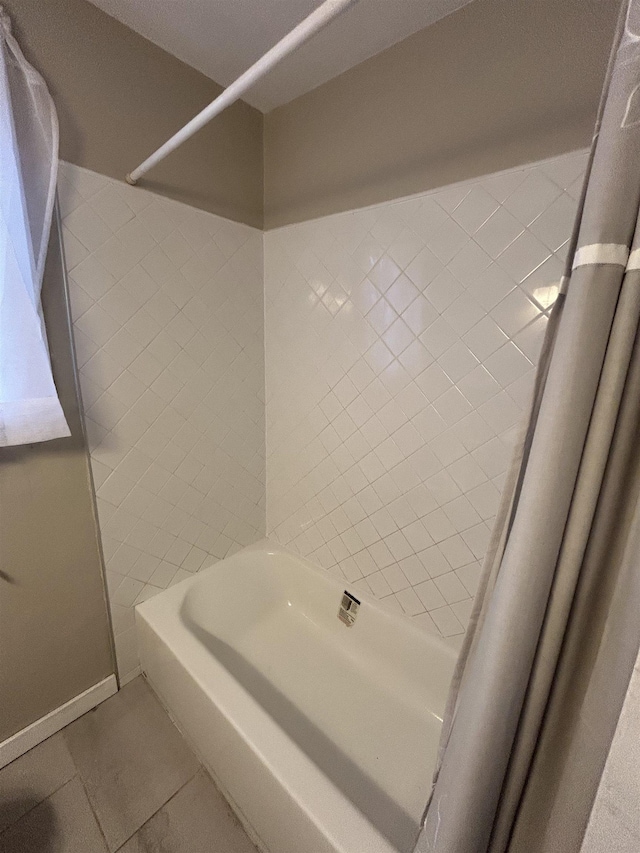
[[321, 735]]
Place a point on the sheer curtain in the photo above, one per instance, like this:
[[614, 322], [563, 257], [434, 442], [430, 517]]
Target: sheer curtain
[[29, 407]]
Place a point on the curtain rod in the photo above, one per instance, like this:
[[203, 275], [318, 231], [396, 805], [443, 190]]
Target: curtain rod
[[312, 24]]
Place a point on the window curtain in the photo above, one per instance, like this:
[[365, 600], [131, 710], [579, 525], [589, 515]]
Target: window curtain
[[29, 407], [555, 630]]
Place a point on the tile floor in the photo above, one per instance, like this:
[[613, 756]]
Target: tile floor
[[121, 778]]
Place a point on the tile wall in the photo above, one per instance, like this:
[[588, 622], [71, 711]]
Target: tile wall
[[400, 350], [400, 347], [167, 306]]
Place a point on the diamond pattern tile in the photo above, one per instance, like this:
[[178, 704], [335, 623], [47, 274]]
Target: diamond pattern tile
[[168, 316], [401, 342], [400, 348]]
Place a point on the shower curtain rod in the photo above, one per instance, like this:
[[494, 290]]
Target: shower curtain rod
[[325, 13]]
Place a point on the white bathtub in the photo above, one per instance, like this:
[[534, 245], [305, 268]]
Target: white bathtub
[[323, 737]]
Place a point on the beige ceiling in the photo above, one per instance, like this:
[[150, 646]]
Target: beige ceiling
[[222, 38]]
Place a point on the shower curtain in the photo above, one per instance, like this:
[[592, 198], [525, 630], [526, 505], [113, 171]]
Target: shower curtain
[[29, 407], [555, 630]]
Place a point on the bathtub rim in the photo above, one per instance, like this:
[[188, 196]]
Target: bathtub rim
[[271, 547]]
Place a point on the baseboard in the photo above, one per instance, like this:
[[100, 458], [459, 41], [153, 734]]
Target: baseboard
[[134, 673], [26, 739]]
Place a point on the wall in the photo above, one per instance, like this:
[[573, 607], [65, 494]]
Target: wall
[[168, 321], [401, 342], [498, 83], [54, 632], [614, 824], [119, 97]]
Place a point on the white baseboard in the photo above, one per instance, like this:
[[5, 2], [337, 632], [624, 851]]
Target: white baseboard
[[26, 739], [134, 673]]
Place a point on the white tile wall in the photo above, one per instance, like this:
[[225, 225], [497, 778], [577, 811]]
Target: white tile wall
[[400, 350], [400, 347], [168, 317]]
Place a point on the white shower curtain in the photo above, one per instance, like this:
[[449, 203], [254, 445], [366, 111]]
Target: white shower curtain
[[29, 407]]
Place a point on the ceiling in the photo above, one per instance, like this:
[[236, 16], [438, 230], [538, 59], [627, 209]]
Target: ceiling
[[222, 38]]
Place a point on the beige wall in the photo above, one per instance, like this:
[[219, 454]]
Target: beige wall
[[119, 97], [54, 634], [614, 824], [497, 84]]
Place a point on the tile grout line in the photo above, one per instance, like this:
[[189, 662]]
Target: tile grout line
[[93, 812], [175, 793], [76, 775]]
